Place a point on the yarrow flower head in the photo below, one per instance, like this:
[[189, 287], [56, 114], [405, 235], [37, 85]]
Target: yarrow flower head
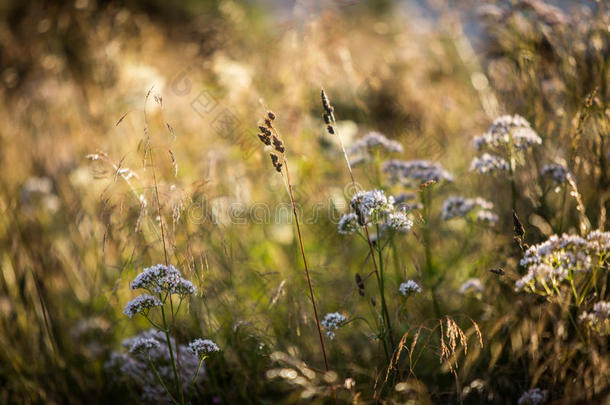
[[163, 279], [557, 173], [370, 206], [460, 207], [472, 285], [508, 130], [141, 305], [398, 221], [144, 345], [409, 287], [331, 322], [202, 347], [487, 164], [348, 223], [364, 148], [550, 262], [416, 172], [535, 396]]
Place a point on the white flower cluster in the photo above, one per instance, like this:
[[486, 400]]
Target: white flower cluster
[[472, 285], [374, 208], [488, 164], [363, 149], [161, 279], [557, 173], [535, 396], [409, 287], [550, 262], [415, 172], [331, 322], [133, 369], [143, 345], [599, 315], [202, 347], [507, 130], [141, 304], [460, 207]]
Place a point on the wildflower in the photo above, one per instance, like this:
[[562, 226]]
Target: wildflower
[[558, 173], [374, 141], [600, 313], [487, 217], [473, 285], [331, 322], [457, 206], [202, 347], [163, 279], [488, 164], [348, 224], [371, 205], [508, 130], [144, 345], [398, 221], [535, 396], [416, 171], [409, 287], [141, 304], [550, 262]]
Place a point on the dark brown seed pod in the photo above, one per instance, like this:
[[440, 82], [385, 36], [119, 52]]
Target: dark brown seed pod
[[326, 118], [330, 129], [360, 284], [264, 130], [271, 115], [325, 102], [498, 271], [278, 145], [517, 227], [264, 139], [268, 123]]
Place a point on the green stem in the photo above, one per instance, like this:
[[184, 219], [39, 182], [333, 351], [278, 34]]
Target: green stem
[[171, 351], [154, 369], [197, 373], [384, 306]]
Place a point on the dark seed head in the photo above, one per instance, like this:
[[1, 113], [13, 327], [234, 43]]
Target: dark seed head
[[326, 118], [264, 139], [360, 284], [268, 123], [278, 145], [517, 227], [271, 115], [330, 129], [264, 130]]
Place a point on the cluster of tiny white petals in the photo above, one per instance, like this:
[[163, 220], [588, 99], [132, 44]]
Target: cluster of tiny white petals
[[398, 221], [460, 207], [487, 163], [416, 171], [506, 130], [371, 205], [598, 316], [144, 345], [348, 223], [558, 173], [141, 304], [363, 147], [409, 287], [163, 279], [202, 347], [472, 285], [331, 322], [134, 368], [551, 261], [535, 396], [487, 217]]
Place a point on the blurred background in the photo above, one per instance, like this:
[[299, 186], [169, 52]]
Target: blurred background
[[83, 81]]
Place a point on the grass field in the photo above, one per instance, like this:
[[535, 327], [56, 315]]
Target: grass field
[[360, 202]]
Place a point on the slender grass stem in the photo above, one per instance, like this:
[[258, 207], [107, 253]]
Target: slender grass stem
[[154, 369], [311, 295]]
